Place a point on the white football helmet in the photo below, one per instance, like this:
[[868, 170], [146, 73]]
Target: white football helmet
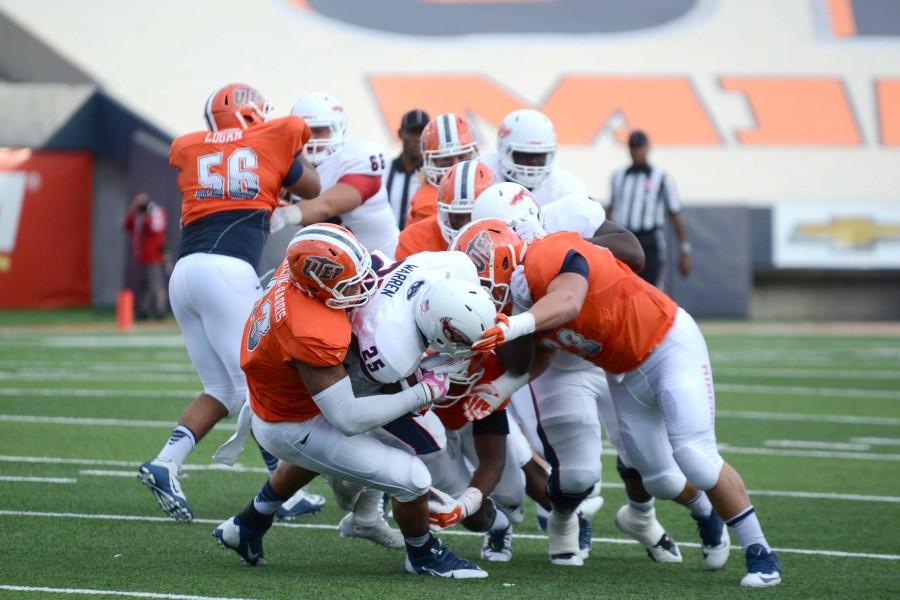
[[509, 202], [322, 110], [526, 131], [452, 314]]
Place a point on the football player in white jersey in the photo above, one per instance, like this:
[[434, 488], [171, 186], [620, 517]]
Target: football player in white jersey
[[437, 296], [526, 154], [353, 194], [572, 388]]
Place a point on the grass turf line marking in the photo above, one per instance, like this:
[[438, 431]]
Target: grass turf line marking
[[26, 479], [728, 449], [49, 590], [793, 390], [814, 445], [806, 417], [90, 393], [811, 373], [100, 422], [525, 536], [876, 441]]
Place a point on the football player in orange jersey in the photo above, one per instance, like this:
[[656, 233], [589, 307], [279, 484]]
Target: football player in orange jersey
[[230, 177], [577, 297], [446, 140], [304, 408], [456, 196]]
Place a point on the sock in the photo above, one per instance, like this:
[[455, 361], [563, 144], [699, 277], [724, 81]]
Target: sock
[[255, 520], [747, 529], [700, 506], [181, 442], [419, 545], [270, 460], [267, 502], [643, 507], [501, 521], [367, 510]]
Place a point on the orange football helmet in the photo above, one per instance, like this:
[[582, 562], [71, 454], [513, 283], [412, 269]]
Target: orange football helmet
[[496, 251], [459, 188], [235, 105], [328, 262], [446, 140]]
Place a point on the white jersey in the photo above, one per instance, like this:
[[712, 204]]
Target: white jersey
[[372, 222], [560, 182], [390, 343], [576, 213]]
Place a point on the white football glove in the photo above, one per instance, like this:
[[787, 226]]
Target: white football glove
[[283, 216], [529, 228], [445, 511], [432, 386], [489, 397]]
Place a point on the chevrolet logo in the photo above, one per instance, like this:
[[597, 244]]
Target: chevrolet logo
[[849, 233]]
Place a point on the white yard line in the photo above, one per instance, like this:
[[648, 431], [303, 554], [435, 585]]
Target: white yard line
[[871, 456], [526, 536], [88, 366], [90, 592], [793, 390], [111, 341], [16, 479], [123, 375], [98, 422], [876, 441], [55, 460], [752, 415], [825, 373], [815, 445], [95, 393], [790, 494]]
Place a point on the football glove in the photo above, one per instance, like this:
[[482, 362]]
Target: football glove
[[283, 216], [445, 511], [505, 330], [489, 397]]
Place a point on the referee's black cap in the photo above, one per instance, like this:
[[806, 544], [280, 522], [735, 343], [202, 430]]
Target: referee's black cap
[[414, 120], [638, 139]]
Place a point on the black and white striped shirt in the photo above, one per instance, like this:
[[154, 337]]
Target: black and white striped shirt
[[401, 187], [641, 197]]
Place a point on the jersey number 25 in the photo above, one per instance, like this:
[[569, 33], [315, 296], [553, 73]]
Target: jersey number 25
[[243, 183]]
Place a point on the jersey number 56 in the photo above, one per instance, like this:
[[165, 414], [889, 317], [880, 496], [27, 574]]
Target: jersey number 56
[[243, 182]]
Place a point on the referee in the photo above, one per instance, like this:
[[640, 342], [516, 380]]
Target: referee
[[642, 195], [402, 177]]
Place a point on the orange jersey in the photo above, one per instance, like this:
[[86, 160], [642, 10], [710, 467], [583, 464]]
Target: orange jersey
[[288, 325], [452, 416], [423, 204], [623, 317], [235, 169], [421, 236]]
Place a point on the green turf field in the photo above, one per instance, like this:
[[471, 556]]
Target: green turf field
[[812, 421]]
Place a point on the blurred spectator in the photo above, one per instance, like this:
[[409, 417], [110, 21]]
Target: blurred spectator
[[642, 195], [146, 224], [402, 178]]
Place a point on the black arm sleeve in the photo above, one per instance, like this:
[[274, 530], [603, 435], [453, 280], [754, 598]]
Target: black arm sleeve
[[495, 423], [575, 263]]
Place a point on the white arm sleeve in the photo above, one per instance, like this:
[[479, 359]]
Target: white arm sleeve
[[351, 415]]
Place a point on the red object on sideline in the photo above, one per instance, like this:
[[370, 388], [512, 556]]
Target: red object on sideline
[[125, 310]]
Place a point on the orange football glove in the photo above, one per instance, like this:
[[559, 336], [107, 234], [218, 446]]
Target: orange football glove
[[493, 336]]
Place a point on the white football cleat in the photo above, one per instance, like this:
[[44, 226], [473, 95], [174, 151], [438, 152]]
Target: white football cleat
[[381, 533], [715, 541], [301, 503], [163, 478], [562, 531], [647, 530], [498, 545]]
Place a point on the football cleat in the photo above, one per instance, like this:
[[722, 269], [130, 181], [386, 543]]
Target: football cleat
[[562, 531], [647, 530], [586, 511], [246, 542], [763, 567], [498, 545], [163, 477], [715, 541], [301, 503], [441, 562], [381, 533]]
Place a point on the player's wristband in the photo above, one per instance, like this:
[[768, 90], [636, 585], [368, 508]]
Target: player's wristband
[[519, 325], [507, 384], [686, 247]]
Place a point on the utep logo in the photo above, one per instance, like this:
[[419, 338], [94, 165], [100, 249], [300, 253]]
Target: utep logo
[[245, 95], [414, 289], [452, 333], [321, 268], [480, 249], [260, 326]]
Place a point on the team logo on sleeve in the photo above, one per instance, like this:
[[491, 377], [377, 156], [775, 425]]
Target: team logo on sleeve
[[414, 289], [452, 333], [480, 249], [260, 326], [321, 268]]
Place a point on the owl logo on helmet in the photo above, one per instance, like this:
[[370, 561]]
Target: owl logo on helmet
[[458, 312], [328, 263], [446, 140], [236, 105], [452, 333]]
